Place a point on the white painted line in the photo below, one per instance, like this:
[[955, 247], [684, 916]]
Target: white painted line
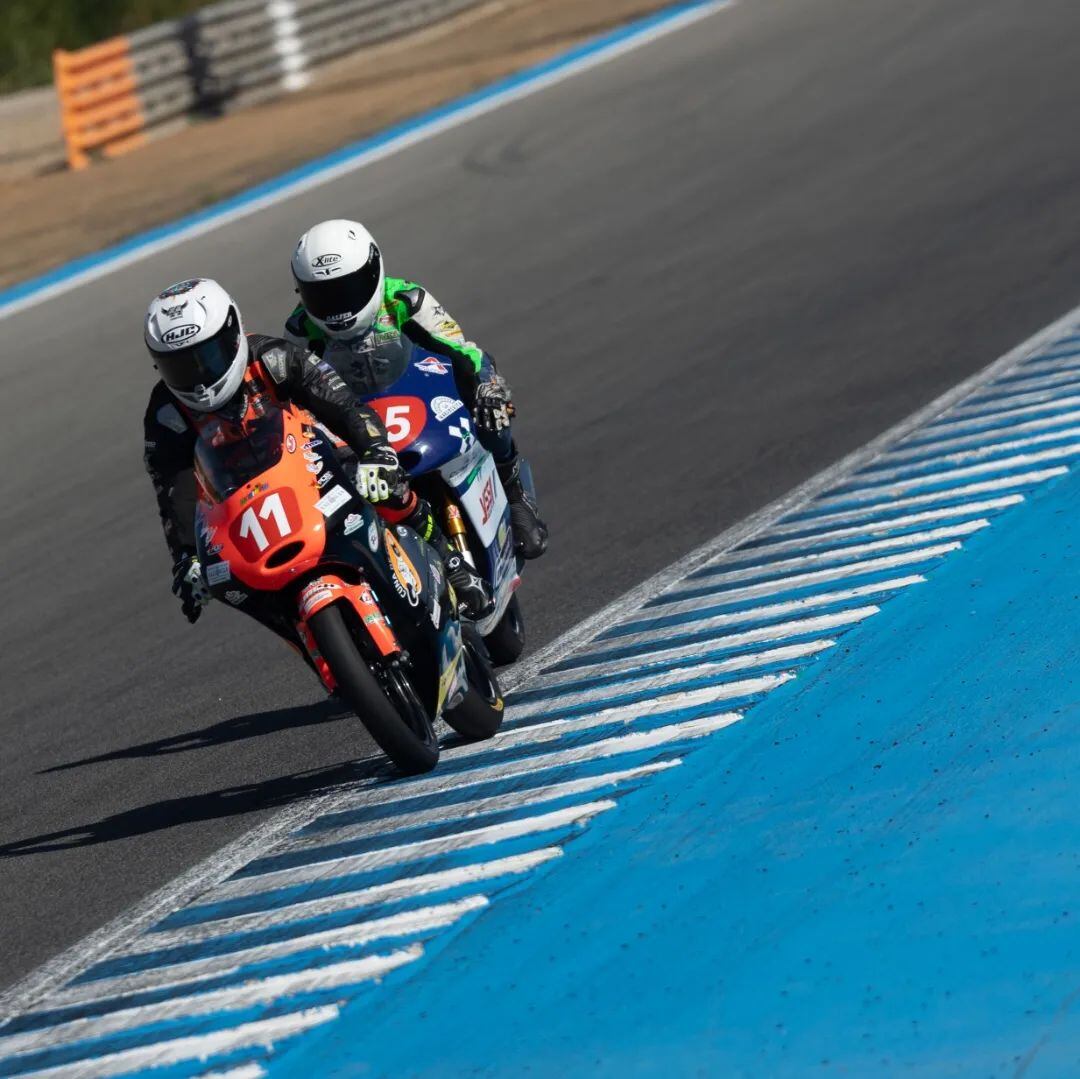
[[670, 702], [953, 494], [406, 924], [978, 447], [1035, 380], [245, 1071], [869, 492], [790, 582], [819, 540], [778, 631], [264, 1032], [994, 419], [408, 852], [706, 622], [425, 884], [647, 679], [467, 809], [852, 553], [25, 994], [1013, 396], [231, 998]]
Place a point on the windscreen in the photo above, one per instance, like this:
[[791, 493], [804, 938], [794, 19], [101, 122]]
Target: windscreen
[[370, 366], [229, 455]]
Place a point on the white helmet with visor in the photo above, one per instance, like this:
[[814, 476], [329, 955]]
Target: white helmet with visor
[[196, 339], [339, 274]]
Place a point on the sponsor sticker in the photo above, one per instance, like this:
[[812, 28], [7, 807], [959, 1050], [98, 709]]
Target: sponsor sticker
[[332, 501], [324, 479], [217, 573], [352, 522], [180, 333], [373, 536], [487, 499], [404, 575], [313, 593], [178, 289], [290, 443], [463, 430], [431, 366], [235, 597], [315, 467], [174, 312], [322, 261], [436, 614], [444, 407]]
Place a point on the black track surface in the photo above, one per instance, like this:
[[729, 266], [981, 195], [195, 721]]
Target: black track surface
[[709, 269]]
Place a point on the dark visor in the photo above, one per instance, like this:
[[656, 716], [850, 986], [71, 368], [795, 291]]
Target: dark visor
[[343, 296], [203, 364]]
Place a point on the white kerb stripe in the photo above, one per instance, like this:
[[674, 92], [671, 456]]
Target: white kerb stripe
[[1024, 460], [659, 634], [405, 924], [640, 681], [784, 582], [264, 1032], [424, 884], [261, 991], [463, 810], [609, 711], [881, 509], [1054, 426], [778, 631], [406, 852], [949, 427]]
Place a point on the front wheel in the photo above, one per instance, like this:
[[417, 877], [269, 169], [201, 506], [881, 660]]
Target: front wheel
[[480, 712], [385, 702], [507, 640]]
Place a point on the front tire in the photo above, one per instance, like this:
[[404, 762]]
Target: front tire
[[386, 703], [506, 641], [480, 713]]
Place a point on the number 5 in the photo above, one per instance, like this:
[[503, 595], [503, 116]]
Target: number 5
[[397, 423]]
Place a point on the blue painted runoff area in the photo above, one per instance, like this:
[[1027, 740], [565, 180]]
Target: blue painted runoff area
[[876, 873]]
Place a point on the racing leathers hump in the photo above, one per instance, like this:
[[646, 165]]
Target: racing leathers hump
[[299, 376], [411, 310]]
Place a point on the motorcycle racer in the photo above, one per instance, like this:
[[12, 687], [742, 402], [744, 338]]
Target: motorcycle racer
[[348, 306], [195, 336]]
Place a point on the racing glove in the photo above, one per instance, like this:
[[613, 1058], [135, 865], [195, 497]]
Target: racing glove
[[190, 588], [379, 475], [494, 404]]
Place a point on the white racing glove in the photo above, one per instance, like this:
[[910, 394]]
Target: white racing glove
[[379, 475], [190, 588]]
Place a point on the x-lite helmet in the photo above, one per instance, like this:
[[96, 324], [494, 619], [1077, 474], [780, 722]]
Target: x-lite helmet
[[196, 339], [339, 274]]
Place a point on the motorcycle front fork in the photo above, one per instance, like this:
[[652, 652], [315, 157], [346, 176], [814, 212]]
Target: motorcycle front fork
[[456, 532]]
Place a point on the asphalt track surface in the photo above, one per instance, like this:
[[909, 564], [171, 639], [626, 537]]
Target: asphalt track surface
[[710, 268]]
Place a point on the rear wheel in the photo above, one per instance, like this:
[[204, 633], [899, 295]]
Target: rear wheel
[[384, 700], [480, 713], [507, 640]]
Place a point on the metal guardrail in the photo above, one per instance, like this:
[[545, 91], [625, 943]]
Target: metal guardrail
[[239, 52]]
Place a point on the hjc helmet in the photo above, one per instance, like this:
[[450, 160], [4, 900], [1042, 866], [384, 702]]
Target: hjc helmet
[[196, 339], [339, 274]]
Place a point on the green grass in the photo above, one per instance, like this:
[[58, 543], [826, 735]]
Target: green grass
[[31, 29]]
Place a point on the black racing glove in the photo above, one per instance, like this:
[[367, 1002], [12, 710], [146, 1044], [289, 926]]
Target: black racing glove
[[190, 588], [494, 404]]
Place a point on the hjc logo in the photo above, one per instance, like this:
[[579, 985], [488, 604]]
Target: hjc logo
[[179, 333], [487, 499]]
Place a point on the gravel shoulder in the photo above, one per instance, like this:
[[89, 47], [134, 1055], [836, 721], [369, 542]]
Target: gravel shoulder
[[61, 215]]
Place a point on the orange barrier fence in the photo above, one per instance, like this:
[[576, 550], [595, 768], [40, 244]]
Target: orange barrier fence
[[99, 101]]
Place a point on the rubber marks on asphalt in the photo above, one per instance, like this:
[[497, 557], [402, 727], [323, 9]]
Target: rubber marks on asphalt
[[228, 981]]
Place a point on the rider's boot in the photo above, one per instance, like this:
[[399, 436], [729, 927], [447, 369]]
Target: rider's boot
[[530, 532], [474, 596]]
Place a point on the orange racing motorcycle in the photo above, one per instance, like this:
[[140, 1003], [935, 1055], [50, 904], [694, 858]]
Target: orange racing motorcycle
[[283, 535]]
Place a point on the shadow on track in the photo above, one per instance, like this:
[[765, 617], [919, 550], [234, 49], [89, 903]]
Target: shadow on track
[[228, 802], [230, 730]]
